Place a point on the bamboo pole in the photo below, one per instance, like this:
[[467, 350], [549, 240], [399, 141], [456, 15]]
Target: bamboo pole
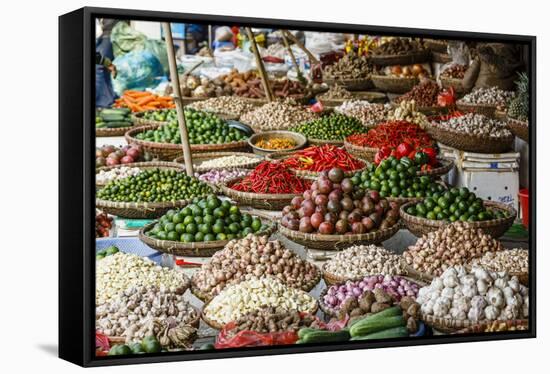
[[174, 77], [260, 65], [292, 57], [210, 41], [294, 39]]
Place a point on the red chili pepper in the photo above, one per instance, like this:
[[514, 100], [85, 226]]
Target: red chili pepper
[[320, 158], [403, 149], [181, 262], [272, 178]]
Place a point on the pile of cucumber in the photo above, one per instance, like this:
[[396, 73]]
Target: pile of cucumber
[[386, 324], [113, 118]]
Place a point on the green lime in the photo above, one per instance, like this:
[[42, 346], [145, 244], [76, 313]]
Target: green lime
[[187, 238], [191, 228], [172, 235], [199, 237], [178, 218], [209, 237], [221, 236], [256, 224]]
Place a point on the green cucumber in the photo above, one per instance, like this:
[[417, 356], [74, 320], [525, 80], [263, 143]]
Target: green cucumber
[[112, 117], [389, 312], [117, 124], [394, 332], [370, 325], [324, 336], [116, 111], [100, 125], [304, 330]]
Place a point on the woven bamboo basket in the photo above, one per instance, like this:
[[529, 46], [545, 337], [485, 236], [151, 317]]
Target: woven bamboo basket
[[358, 84], [406, 59], [510, 325], [312, 174], [138, 120], [299, 140], [256, 200], [109, 132], [313, 141], [455, 83], [138, 210], [496, 227], [168, 152], [446, 325], [205, 297], [441, 57], [470, 142], [519, 128], [371, 97], [396, 85], [338, 242], [436, 45], [445, 165], [195, 249], [199, 158], [427, 110], [142, 165], [365, 153], [485, 109]]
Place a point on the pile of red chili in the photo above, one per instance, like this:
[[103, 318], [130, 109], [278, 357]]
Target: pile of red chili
[[272, 178], [321, 158], [391, 134]]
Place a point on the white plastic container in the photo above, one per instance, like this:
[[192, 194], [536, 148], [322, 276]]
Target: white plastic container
[[490, 176]]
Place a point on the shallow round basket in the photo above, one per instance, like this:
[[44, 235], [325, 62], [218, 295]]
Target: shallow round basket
[[338, 242], [445, 165], [370, 96], [436, 45], [116, 131], [358, 84], [313, 141], [479, 328], [396, 85], [312, 174], [168, 151], [138, 210], [519, 128], [299, 140], [470, 142], [441, 57], [427, 110], [199, 158], [256, 200], [496, 227], [455, 83], [365, 153], [406, 59], [141, 165], [446, 325], [195, 249], [485, 109]]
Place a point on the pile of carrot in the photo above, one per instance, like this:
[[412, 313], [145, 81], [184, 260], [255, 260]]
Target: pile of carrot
[[138, 101]]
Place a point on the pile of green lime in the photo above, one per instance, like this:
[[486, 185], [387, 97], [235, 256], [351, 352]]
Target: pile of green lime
[[161, 115], [332, 127], [154, 185], [396, 178], [456, 204], [202, 128], [149, 344], [204, 220], [111, 250]]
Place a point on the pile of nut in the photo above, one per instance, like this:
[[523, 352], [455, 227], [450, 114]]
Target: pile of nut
[[455, 71], [270, 320], [406, 111], [454, 244], [277, 115], [423, 94], [496, 326], [120, 271], [349, 67], [491, 96], [133, 312], [106, 176], [336, 92], [510, 260], [238, 299], [193, 86], [398, 46], [369, 114], [476, 124], [254, 256], [360, 260], [234, 106]]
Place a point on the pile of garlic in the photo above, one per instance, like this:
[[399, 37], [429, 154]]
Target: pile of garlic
[[474, 295], [236, 300]]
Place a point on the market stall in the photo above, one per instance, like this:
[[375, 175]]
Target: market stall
[[265, 197]]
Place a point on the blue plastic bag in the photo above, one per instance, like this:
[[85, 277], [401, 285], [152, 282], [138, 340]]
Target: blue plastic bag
[[137, 70]]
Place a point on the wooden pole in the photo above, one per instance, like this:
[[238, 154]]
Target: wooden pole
[[174, 77], [294, 39], [260, 65], [292, 57], [210, 41]]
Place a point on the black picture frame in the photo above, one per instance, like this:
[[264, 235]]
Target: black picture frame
[[77, 187]]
